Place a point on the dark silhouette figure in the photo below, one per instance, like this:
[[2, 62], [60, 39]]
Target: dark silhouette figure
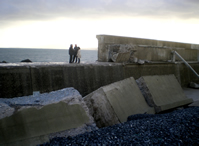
[[75, 53], [71, 53]]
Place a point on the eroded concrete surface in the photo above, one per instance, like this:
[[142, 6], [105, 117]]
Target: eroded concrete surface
[[163, 92], [34, 119]]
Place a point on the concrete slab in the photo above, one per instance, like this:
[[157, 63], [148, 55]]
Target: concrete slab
[[31, 123], [162, 92], [100, 109], [120, 100], [34, 120]]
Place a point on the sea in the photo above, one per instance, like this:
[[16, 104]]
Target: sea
[[16, 55]]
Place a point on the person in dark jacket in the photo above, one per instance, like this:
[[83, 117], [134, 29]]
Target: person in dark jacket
[[71, 53], [75, 53]]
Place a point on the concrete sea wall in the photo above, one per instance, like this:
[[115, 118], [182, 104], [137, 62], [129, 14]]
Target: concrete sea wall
[[25, 78], [147, 49]]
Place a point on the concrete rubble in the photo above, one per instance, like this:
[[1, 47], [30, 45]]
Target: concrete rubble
[[122, 53], [125, 53], [194, 85], [37, 118], [112, 104], [162, 92]]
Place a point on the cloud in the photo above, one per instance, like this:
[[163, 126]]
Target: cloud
[[12, 10]]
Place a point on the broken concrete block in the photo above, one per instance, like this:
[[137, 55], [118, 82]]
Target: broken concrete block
[[133, 59], [121, 52], [141, 61], [194, 85], [113, 103], [162, 92], [100, 108], [123, 57], [37, 118]]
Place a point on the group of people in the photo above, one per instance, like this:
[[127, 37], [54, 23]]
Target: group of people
[[75, 54]]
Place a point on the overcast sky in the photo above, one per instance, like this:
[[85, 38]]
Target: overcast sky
[[58, 23]]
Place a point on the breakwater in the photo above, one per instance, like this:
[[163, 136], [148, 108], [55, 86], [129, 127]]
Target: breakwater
[[21, 79]]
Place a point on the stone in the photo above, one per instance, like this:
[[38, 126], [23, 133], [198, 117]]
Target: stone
[[162, 92], [3, 61], [35, 119], [112, 104], [26, 60]]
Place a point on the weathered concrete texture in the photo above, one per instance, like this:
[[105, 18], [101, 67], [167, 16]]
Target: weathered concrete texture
[[147, 49], [183, 74], [100, 109], [164, 54], [120, 53], [24, 78], [32, 124], [21, 79], [113, 103], [162, 92], [15, 80], [149, 53], [121, 57]]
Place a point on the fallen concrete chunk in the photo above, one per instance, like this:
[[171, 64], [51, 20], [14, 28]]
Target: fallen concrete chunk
[[123, 57], [141, 61], [194, 85], [162, 92], [37, 118], [113, 103], [121, 52]]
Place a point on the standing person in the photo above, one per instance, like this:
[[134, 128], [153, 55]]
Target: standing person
[[71, 53], [75, 53], [78, 54]]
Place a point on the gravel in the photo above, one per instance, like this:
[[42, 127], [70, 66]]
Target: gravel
[[180, 127]]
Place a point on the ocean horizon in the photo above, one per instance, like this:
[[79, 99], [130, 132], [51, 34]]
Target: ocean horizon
[[16, 55]]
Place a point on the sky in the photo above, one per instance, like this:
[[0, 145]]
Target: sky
[[58, 23]]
